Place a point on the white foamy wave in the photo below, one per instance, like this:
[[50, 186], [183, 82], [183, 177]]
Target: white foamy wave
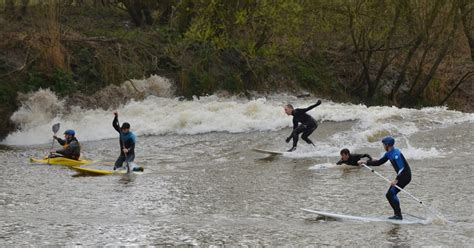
[[421, 153], [164, 115], [158, 115], [323, 166]]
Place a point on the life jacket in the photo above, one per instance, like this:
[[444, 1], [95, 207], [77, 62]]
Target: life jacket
[[76, 153]]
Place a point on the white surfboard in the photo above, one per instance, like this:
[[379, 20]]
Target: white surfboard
[[267, 151], [407, 219]]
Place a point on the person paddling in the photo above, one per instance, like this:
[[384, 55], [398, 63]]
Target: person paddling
[[127, 142], [402, 169], [307, 127], [71, 146], [351, 159]]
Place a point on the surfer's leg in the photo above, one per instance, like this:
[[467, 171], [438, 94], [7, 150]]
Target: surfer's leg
[[119, 162], [130, 158], [307, 132], [403, 181], [393, 200], [296, 133]]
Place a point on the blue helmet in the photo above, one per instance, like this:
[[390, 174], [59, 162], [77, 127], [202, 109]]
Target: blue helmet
[[70, 132], [388, 140]]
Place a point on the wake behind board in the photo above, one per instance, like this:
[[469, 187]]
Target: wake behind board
[[341, 217], [267, 151]]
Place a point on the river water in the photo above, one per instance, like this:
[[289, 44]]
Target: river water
[[203, 185]]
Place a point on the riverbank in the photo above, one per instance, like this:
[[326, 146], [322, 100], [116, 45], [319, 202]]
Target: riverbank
[[81, 50]]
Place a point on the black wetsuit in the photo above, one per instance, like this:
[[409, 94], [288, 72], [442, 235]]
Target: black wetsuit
[[403, 171], [307, 127], [354, 158], [127, 140]]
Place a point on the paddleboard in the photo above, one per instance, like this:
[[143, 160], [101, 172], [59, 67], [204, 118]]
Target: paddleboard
[[407, 219], [98, 172], [60, 161], [267, 151]]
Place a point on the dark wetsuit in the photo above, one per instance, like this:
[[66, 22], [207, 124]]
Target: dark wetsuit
[[354, 158], [307, 127], [71, 148], [403, 171], [127, 140]]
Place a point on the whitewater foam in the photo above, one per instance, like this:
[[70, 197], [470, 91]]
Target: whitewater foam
[[164, 115]]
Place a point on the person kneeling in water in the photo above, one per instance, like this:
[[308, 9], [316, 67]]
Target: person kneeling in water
[[402, 169], [307, 127], [351, 159], [71, 147]]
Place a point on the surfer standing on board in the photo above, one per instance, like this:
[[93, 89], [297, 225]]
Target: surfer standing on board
[[127, 142], [402, 169], [307, 127]]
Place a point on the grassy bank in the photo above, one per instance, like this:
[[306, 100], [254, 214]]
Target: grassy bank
[[365, 53]]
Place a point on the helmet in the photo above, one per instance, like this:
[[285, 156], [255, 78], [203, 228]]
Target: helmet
[[70, 132], [388, 140], [125, 125]]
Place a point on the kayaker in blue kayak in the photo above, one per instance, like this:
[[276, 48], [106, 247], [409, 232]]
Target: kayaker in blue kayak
[[71, 146], [127, 142]]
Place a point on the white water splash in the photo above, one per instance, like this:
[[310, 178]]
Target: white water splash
[[164, 115]]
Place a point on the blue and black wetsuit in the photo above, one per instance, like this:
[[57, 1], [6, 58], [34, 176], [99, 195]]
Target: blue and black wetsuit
[[403, 171], [127, 140], [353, 159], [307, 127]]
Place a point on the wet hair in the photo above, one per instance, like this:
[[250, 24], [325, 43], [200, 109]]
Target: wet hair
[[289, 106], [345, 151], [125, 125]]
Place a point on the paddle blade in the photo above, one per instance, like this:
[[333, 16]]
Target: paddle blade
[[55, 128]]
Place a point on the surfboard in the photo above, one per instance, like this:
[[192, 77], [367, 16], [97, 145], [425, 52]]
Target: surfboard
[[98, 172], [407, 219], [60, 161], [326, 166], [267, 151]]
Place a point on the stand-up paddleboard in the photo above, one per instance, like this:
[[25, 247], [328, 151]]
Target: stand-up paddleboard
[[98, 172], [267, 151], [60, 161], [407, 219]]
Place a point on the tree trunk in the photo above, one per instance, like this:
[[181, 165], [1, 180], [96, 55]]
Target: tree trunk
[[10, 8], [24, 7], [463, 79], [411, 53], [440, 57], [467, 17]]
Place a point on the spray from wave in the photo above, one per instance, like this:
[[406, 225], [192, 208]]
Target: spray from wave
[[157, 113]]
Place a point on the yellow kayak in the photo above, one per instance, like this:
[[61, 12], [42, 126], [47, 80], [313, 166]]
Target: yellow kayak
[[60, 161]]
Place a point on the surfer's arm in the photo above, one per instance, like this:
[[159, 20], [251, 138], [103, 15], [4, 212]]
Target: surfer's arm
[[311, 107], [130, 145], [340, 162], [377, 162], [366, 156], [115, 124], [295, 123]]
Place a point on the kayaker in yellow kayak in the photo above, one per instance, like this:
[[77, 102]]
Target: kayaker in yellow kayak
[[71, 146]]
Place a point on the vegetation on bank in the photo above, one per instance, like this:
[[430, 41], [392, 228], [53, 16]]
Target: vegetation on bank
[[401, 52]]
